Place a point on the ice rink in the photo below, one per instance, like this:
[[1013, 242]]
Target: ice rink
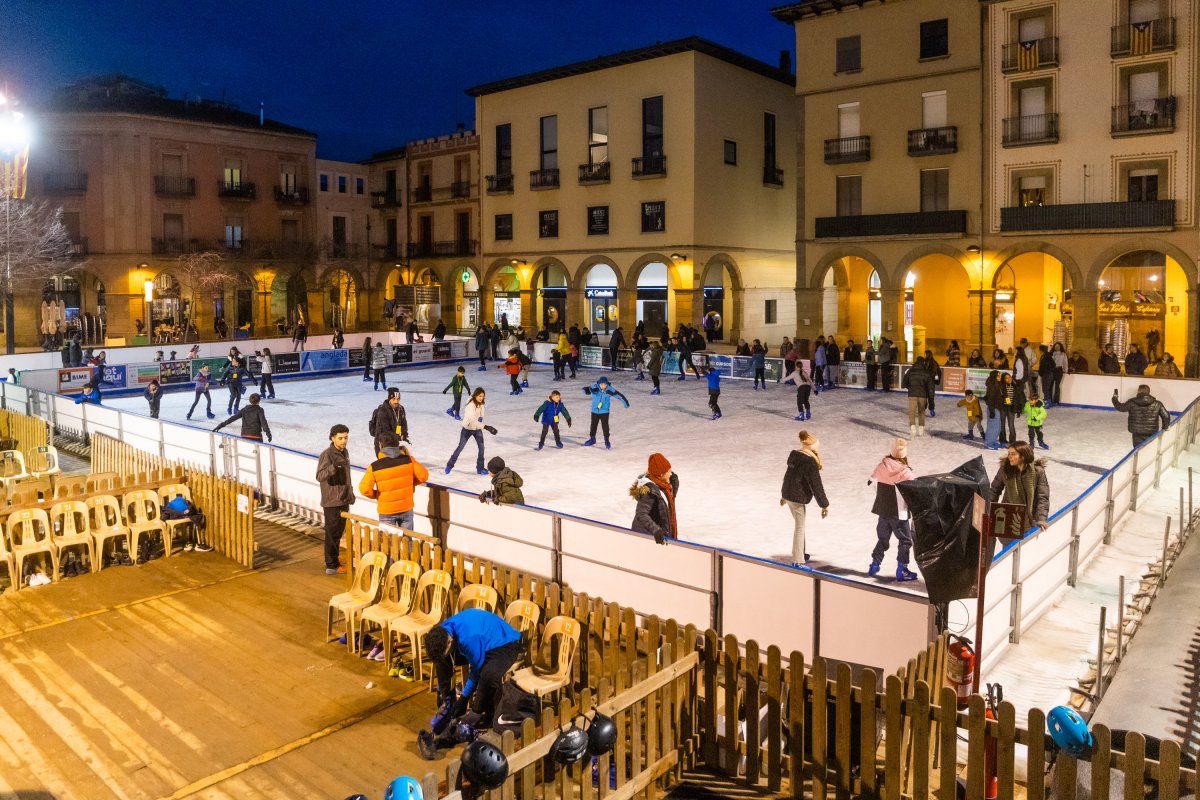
[[730, 469]]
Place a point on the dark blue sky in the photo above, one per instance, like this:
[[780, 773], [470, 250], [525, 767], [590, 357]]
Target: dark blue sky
[[364, 75]]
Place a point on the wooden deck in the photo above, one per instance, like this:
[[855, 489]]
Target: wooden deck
[[194, 677]]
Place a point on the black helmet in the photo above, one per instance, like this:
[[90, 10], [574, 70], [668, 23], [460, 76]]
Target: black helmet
[[602, 734], [484, 765], [571, 745]]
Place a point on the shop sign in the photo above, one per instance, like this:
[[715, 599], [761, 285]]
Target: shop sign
[[601, 293], [506, 294], [1120, 308], [72, 380]]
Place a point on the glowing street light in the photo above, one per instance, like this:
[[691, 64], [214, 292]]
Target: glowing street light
[[15, 138]]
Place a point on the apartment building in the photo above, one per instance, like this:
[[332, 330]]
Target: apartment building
[[648, 186], [342, 220]]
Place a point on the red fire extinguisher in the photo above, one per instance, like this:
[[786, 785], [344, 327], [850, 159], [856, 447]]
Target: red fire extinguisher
[[960, 667], [995, 696]]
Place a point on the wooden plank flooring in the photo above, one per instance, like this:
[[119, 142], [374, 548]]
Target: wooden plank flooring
[[194, 677]]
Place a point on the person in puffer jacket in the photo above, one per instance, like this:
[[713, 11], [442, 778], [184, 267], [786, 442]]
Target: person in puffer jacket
[[1145, 414], [506, 484], [655, 491], [801, 484], [892, 512], [601, 393], [391, 480]]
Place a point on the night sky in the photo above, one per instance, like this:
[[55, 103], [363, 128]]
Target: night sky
[[365, 76]]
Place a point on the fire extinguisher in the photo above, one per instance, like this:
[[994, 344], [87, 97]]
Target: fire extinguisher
[[960, 667], [995, 696]]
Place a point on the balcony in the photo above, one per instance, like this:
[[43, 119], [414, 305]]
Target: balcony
[[65, 183], [460, 189], [388, 198], [1144, 116], [233, 248], [847, 150], [1032, 129], [1028, 56], [1140, 38], [387, 251], [595, 173], [422, 194], [78, 248], [445, 249], [500, 184], [543, 179], [235, 190], [920, 223], [772, 176], [174, 186], [342, 250], [291, 195], [1089, 216], [650, 167], [933, 141], [279, 249], [171, 246]]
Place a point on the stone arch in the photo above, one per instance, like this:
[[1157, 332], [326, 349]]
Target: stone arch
[[726, 260], [833, 259], [932, 249], [1066, 259], [579, 279], [498, 264], [673, 275], [546, 262], [1142, 243]]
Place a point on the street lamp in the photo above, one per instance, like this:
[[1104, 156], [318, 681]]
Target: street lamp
[[14, 159]]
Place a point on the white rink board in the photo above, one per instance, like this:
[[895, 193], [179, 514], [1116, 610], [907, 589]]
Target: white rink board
[[607, 545], [518, 555], [521, 524], [645, 595], [771, 605], [872, 628]]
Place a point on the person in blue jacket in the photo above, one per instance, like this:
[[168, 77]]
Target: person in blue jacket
[[91, 394], [481, 346], [488, 646], [548, 413], [714, 392], [758, 360], [602, 394]]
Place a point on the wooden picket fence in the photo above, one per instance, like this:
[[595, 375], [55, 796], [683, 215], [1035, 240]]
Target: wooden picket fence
[[227, 504], [688, 699], [25, 433]]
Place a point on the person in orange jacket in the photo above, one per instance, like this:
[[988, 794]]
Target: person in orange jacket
[[391, 479], [512, 366]]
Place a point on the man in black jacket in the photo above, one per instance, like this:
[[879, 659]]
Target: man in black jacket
[[389, 416], [919, 383], [254, 421], [1145, 414]]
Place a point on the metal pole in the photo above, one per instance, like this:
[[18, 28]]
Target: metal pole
[[980, 602], [10, 335], [1120, 619], [1162, 575], [1100, 655]]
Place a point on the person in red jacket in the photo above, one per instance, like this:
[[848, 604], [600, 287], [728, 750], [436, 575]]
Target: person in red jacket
[[512, 366], [390, 481]]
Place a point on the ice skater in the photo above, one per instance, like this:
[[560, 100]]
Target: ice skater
[[512, 368], [234, 376], [654, 366], [601, 393], [714, 392], [548, 413], [203, 379], [802, 484], [974, 415], [472, 428], [1035, 419], [804, 390], [991, 397], [254, 421], [758, 360], [481, 346], [266, 386], [366, 348], [389, 416], [892, 512], [525, 360], [458, 384], [379, 362], [153, 395]]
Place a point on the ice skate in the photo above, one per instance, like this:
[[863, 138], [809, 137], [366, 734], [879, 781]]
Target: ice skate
[[920, 430], [447, 470], [540, 446], [1043, 445], [608, 445], [656, 390], [912, 430], [873, 569], [211, 415], [799, 418], [482, 368], [932, 413], [682, 378], [970, 437], [450, 411], [481, 472], [589, 442], [904, 574], [524, 384], [558, 445]]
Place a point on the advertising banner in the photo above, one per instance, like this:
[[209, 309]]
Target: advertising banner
[[144, 373], [458, 348], [176, 372], [423, 352], [284, 363], [319, 360], [594, 356], [954, 379], [977, 379], [355, 356], [852, 373], [401, 353], [442, 351], [114, 376], [215, 366], [70, 381]]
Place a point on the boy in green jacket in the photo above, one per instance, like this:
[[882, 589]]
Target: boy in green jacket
[[1035, 418], [459, 384]]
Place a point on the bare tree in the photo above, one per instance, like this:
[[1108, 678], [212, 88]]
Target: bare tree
[[202, 274]]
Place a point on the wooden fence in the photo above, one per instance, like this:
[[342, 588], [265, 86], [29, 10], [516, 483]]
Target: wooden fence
[[774, 724], [227, 504], [24, 433]]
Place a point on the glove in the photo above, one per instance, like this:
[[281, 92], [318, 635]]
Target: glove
[[824, 512], [459, 708], [485, 496], [568, 423], [268, 437], [490, 429], [660, 539], [991, 413], [407, 440], [444, 391], [782, 502]]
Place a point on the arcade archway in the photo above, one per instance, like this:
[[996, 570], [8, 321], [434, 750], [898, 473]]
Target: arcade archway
[[466, 298], [551, 301], [936, 308], [340, 300], [600, 298], [1143, 300]]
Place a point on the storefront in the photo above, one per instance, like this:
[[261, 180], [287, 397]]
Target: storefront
[[652, 309], [506, 305], [714, 305], [554, 307], [602, 309]]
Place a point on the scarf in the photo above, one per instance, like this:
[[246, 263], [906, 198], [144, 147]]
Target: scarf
[[811, 453], [665, 485], [1019, 487]]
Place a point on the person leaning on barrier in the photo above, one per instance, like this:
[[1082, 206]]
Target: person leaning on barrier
[[391, 480], [1145, 414], [1021, 479], [337, 494]]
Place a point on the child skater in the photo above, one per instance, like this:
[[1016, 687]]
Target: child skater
[[548, 413], [459, 385], [714, 392], [512, 367], [974, 415], [804, 388], [1035, 418]]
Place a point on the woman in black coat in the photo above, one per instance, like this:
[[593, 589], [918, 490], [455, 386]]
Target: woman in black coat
[[655, 491], [801, 484]]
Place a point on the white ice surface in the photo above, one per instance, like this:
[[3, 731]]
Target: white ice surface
[[730, 469]]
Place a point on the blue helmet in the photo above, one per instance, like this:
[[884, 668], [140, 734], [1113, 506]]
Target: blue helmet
[[403, 788], [1069, 731]]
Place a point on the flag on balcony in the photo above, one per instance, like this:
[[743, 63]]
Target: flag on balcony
[[1027, 56], [13, 171], [1141, 38]]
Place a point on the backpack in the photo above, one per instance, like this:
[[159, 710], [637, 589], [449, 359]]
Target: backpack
[[371, 425], [514, 707], [523, 358]]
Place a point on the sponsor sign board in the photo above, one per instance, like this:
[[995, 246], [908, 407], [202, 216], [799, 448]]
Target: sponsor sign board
[[422, 351], [401, 353], [144, 373], [114, 376], [319, 360], [175, 372], [215, 366], [355, 357], [442, 351], [71, 380]]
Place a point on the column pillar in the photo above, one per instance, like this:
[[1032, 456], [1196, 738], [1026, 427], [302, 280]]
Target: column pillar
[[627, 311], [731, 326], [891, 319], [529, 320], [1085, 325], [685, 308], [808, 315], [576, 313], [842, 323], [983, 321], [1191, 361]]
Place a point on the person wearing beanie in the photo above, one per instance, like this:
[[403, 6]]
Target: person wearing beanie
[[506, 484], [655, 491], [892, 512], [512, 367], [548, 413], [392, 479], [802, 483], [389, 416], [601, 393]]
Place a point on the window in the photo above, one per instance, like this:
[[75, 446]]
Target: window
[[172, 165], [731, 152], [287, 181], [1031, 191], [504, 227], [289, 231], [849, 54], [547, 224], [233, 233], [173, 227], [652, 127], [848, 126], [341, 184], [549, 133], [70, 221], [770, 311], [1142, 185], [504, 149], [849, 195], [933, 109], [597, 220], [233, 177], [598, 135], [323, 180], [360, 186], [654, 216], [935, 38], [769, 140], [339, 230], [935, 189]]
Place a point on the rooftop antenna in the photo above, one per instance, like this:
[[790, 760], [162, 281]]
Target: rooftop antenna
[[261, 113]]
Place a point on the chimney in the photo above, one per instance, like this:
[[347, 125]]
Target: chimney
[[461, 126], [262, 113], [785, 61]]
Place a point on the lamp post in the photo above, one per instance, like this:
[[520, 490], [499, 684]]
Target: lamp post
[[14, 156]]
